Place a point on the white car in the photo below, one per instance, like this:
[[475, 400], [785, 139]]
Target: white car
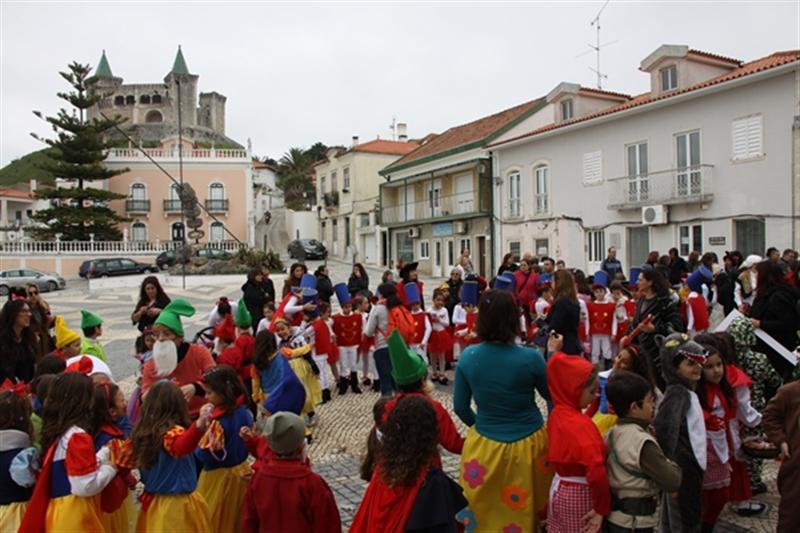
[[19, 278]]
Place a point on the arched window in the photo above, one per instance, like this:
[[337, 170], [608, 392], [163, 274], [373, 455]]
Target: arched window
[[153, 117], [119, 100], [541, 174], [144, 99], [178, 232], [156, 98], [216, 191], [138, 231], [130, 99], [216, 232], [138, 191]]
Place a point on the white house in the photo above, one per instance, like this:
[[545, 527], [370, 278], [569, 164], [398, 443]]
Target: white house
[[705, 161]]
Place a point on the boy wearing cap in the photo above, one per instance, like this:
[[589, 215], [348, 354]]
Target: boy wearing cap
[[299, 499], [92, 326], [347, 328]]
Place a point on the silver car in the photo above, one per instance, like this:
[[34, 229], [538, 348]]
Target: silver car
[[19, 279]]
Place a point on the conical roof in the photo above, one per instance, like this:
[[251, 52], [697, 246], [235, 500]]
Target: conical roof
[[103, 69], [179, 66]]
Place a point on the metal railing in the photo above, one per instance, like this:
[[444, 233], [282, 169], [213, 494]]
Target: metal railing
[[172, 206], [436, 206], [103, 247], [678, 185], [172, 153], [137, 206], [217, 205]]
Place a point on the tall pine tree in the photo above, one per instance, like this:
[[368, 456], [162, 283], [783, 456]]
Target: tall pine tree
[[79, 150]]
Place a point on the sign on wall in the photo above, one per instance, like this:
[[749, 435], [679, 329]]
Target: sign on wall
[[716, 241], [442, 229]]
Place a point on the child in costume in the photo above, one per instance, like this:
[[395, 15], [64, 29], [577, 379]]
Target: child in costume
[[224, 335], [440, 340], [465, 318], [245, 341], [622, 314], [370, 460], [602, 326], [361, 305], [19, 460], [318, 336], [294, 304], [695, 304], [681, 432], [111, 424], [72, 473], [408, 491], [347, 327], [163, 444], [298, 353], [269, 314], [275, 385], [579, 494], [287, 495], [333, 354], [222, 451], [92, 326], [782, 425], [68, 342], [422, 324], [637, 468], [544, 302]]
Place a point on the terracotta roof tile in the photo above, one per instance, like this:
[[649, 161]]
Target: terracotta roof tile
[[14, 193], [382, 146], [774, 60], [474, 131], [716, 56]]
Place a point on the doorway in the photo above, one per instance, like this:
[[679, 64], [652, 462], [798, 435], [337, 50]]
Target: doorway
[[481, 241], [178, 232], [436, 268], [638, 245]]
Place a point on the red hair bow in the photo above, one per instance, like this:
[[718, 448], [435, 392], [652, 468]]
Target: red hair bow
[[84, 365], [17, 388], [18, 298]]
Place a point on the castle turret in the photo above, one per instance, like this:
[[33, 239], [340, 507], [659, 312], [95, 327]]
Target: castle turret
[[104, 83], [211, 113], [179, 79]]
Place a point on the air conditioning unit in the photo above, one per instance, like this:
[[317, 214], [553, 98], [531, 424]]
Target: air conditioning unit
[[654, 214], [413, 232], [460, 227]]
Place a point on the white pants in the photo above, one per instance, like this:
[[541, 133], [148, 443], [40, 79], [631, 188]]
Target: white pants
[[368, 364], [348, 360], [324, 370], [418, 348], [439, 362], [601, 347]]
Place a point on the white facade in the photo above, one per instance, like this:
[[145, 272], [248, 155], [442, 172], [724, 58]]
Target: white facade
[[715, 164]]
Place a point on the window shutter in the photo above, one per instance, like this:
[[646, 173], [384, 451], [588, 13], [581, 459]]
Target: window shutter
[[747, 137], [593, 167]]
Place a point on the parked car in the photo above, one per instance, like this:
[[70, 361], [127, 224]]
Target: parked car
[[307, 249], [19, 279], [117, 266], [167, 259]]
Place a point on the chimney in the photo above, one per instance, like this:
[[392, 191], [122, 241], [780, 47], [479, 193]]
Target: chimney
[[355, 141], [32, 186], [402, 136]]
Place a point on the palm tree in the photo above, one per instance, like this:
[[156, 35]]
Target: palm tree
[[295, 161]]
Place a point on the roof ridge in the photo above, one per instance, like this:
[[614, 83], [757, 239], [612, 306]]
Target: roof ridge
[[506, 110]]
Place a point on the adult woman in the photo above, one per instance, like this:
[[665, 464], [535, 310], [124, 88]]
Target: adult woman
[[254, 295], [565, 314], [453, 291], [507, 265], [655, 301], [693, 261], [677, 267], [466, 263], [17, 342], [41, 319], [652, 259], [152, 299], [358, 284], [324, 285], [377, 326], [775, 311], [525, 284], [296, 272], [503, 459]]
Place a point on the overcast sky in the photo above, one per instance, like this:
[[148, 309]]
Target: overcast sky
[[296, 74]]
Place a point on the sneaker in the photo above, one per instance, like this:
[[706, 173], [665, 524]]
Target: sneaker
[[366, 382], [326, 395], [750, 508], [376, 385], [443, 380], [759, 488]]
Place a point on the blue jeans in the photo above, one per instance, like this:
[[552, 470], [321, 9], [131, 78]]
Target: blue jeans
[[384, 366]]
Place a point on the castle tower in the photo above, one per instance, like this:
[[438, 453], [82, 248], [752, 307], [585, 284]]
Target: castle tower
[[211, 113], [106, 83], [179, 79]]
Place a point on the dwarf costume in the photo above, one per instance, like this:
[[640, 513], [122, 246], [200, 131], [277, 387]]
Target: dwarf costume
[[64, 336], [465, 322], [91, 346], [291, 306], [347, 328], [695, 306], [602, 328]]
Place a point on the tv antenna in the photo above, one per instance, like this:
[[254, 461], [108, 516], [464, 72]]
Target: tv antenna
[[597, 47], [393, 127]]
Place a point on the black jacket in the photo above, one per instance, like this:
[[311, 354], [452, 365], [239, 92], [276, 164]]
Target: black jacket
[[777, 311], [563, 318], [254, 298], [358, 285], [676, 269], [269, 289], [324, 288], [666, 318]]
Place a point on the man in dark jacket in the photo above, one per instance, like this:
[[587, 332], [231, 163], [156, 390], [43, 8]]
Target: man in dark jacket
[[677, 267], [611, 265]]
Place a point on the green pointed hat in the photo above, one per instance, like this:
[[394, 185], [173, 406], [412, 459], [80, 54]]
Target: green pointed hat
[[243, 318], [407, 366], [89, 319], [171, 315]]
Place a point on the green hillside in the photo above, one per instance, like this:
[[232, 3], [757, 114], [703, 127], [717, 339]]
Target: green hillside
[[24, 169]]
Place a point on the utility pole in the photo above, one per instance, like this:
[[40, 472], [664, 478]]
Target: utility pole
[[180, 178]]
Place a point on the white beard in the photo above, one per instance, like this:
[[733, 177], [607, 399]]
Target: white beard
[[165, 357]]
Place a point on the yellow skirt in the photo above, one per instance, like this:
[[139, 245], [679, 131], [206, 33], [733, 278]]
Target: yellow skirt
[[306, 376], [120, 521], [11, 515], [72, 513], [604, 422], [223, 490], [184, 513], [506, 483]]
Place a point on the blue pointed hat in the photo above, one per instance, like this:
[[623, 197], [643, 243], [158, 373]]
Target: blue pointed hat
[[545, 278], [504, 282], [469, 293], [342, 294], [412, 293], [634, 275], [308, 281], [698, 277], [601, 278], [310, 296]]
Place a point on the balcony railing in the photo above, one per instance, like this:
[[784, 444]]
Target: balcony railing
[[675, 186], [172, 206], [137, 206], [331, 199], [91, 248], [172, 153], [217, 205], [454, 205]]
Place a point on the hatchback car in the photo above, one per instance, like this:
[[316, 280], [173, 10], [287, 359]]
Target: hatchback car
[[307, 249], [20, 278], [167, 259], [103, 268]]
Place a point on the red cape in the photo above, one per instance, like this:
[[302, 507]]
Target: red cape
[[36, 511], [384, 508]]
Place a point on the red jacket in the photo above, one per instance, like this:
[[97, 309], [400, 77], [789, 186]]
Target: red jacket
[[286, 496], [699, 311], [420, 320], [348, 329]]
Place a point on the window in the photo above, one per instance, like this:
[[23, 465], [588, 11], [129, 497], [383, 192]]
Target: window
[[347, 231], [593, 167], [178, 233], [747, 133], [690, 238], [216, 232], [138, 191], [335, 229], [542, 247], [130, 99], [144, 99], [156, 98], [596, 245], [363, 220], [515, 249], [451, 253], [638, 186], [464, 244], [405, 246], [173, 192], [216, 191], [334, 184], [669, 78], [540, 183], [119, 100], [513, 194], [322, 230], [153, 117], [435, 198], [138, 231], [424, 250], [346, 178], [750, 236], [688, 163], [566, 110], [322, 185]]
